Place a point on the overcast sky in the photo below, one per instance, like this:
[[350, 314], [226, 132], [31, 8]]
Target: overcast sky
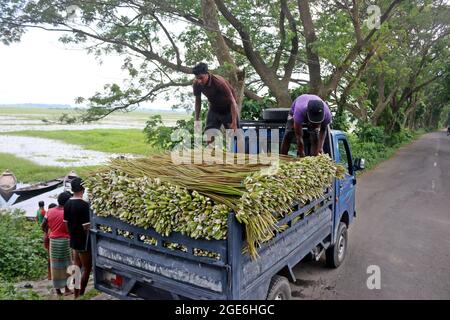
[[40, 69]]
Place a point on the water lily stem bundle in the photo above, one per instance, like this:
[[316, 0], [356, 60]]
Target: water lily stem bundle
[[196, 199]]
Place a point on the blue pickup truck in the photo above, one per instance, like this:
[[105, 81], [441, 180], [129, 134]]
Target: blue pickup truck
[[136, 263]]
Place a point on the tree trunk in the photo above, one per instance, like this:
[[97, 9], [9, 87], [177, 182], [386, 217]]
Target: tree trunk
[[268, 76], [315, 78], [235, 76]]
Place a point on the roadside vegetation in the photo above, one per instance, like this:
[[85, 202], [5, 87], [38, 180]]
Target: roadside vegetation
[[22, 254], [375, 146]]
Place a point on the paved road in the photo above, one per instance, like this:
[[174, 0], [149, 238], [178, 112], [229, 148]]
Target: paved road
[[403, 226]]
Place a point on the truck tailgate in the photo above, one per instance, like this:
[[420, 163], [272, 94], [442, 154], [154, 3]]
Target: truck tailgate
[[179, 271]]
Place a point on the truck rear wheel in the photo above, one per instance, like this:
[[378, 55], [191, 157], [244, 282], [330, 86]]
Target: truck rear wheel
[[336, 253], [279, 289]]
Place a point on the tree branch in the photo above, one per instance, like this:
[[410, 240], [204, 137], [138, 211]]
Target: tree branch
[[251, 95], [351, 56], [289, 67], [106, 111], [252, 55], [148, 54], [166, 32], [310, 39], [276, 60]]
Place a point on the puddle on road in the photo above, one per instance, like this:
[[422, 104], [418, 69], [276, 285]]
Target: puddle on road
[[47, 152]]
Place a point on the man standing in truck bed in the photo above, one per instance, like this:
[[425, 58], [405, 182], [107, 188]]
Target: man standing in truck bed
[[221, 96], [312, 111]]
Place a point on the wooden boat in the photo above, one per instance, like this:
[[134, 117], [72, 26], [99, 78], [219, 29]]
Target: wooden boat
[[68, 179], [8, 183], [39, 188]]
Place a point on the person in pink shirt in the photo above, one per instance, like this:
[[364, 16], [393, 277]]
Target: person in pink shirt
[[60, 258]]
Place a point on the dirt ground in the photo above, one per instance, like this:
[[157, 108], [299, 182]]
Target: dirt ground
[[45, 289]]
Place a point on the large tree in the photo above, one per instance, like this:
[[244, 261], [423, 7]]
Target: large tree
[[264, 47]]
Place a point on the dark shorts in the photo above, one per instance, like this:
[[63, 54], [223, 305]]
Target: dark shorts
[[215, 120], [289, 134]]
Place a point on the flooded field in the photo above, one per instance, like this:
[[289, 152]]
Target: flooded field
[[47, 152], [17, 119], [36, 150]]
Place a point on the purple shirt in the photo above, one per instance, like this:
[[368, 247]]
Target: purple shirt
[[300, 106]]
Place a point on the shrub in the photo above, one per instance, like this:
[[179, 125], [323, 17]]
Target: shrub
[[160, 136], [157, 134], [399, 138], [22, 253], [9, 292], [369, 133]]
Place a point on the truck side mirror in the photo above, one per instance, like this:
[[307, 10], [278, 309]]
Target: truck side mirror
[[359, 164]]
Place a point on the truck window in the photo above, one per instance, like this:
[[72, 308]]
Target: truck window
[[344, 156]]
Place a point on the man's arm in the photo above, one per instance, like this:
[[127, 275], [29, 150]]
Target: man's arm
[[44, 225], [198, 106], [323, 130], [298, 128], [234, 108], [85, 218], [234, 113]]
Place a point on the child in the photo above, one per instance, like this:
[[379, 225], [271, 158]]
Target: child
[[40, 213]]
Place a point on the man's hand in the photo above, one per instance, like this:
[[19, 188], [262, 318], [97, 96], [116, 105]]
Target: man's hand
[[197, 126], [300, 153]]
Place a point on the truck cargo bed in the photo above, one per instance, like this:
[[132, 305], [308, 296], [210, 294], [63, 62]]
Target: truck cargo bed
[[149, 268]]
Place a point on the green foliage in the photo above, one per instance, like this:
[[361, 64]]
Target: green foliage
[[295, 93], [399, 138], [22, 252], [409, 49], [341, 121], [252, 110], [67, 119], [89, 294], [369, 133], [158, 135], [9, 292], [376, 146]]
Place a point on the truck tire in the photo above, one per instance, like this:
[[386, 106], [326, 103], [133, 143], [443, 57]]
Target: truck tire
[[336, 253], [279, 289], [276, 114]]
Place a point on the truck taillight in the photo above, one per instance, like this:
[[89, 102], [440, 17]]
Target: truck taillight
[[113, 279]]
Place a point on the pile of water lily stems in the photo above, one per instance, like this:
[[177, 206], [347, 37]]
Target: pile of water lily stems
[[196, 199]]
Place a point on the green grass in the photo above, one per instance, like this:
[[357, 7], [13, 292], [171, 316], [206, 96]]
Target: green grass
[[89, 294], [106, 140], [29, 172]]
